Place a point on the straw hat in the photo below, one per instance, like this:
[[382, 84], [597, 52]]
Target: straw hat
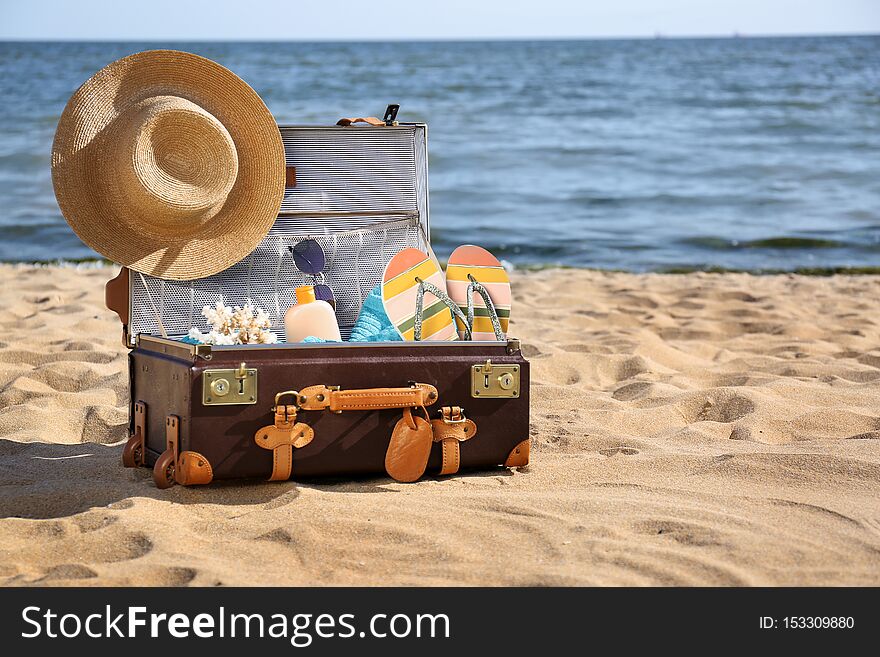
[[168, 163]]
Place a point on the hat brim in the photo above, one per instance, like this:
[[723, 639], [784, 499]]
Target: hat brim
[[79, 151]]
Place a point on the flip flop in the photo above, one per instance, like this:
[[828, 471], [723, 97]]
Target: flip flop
[[409, 275], [471, 268]]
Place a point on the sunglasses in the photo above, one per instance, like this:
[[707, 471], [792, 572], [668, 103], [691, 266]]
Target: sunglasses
[[309, 258]]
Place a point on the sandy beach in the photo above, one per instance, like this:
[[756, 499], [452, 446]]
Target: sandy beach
[[698, 429]]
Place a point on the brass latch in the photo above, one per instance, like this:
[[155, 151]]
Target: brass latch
[[227, 387], [490, 380]]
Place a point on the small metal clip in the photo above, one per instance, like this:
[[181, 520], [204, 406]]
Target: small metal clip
[[460, 420], [390, 117]]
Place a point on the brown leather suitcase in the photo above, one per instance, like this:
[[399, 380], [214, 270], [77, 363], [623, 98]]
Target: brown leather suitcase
[[272, 412]]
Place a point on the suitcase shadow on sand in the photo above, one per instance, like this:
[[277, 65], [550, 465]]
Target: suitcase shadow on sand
[[48, 480]]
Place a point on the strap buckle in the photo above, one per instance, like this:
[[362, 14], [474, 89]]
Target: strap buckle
[[453, 415], [292, 393]]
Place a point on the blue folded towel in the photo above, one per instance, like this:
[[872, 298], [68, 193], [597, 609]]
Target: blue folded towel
[[312, 338], [372, 324]]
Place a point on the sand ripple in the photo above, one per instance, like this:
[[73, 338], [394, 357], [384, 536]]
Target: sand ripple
[[687, 430]]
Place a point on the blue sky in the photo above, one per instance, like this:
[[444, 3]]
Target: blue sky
[[417, 19]]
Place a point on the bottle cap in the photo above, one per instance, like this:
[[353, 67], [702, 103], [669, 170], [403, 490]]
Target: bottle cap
[[305, 294]]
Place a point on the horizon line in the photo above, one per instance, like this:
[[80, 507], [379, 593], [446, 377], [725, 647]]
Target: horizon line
[[658, 36]]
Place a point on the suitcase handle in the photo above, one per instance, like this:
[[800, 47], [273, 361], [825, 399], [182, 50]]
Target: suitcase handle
[[336, 400], [371, 120], [389, 118], [286, 434], [410, 446]]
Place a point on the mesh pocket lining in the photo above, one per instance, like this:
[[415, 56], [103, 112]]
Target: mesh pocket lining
[[267, 277]]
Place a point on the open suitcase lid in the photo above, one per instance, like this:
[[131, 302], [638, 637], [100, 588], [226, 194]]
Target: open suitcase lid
[[360, 191]]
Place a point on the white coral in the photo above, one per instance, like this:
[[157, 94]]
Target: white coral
[[215, 337], [220, 317], [241, 325], [264, 337]]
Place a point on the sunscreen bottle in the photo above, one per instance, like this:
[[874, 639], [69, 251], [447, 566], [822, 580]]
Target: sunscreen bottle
[[310, 317]]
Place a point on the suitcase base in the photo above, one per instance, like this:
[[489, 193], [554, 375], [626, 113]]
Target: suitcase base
[[200, 413]]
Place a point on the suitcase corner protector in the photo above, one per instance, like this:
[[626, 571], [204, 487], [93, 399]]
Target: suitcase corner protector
[[519, 455]]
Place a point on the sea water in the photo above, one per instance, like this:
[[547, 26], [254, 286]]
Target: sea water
[[746, 153]]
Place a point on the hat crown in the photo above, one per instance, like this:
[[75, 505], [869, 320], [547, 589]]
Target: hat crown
[[176, 163]]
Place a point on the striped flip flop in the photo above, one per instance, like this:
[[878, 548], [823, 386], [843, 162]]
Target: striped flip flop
[[400, 290], [472, 271]]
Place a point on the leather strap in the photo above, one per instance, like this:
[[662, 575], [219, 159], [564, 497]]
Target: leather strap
[[140, 424], [172, 435], [282, 437], [451, 429], [371, 120], [451, 457], [410, 446], [317, 398], [411, 439]]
